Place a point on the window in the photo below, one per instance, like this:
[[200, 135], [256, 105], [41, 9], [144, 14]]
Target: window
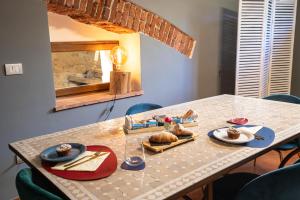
[[80, 67]]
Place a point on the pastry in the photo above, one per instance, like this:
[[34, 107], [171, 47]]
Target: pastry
[[63, 149], [190, 114], [233, 133], [179, 130], [163, 137]]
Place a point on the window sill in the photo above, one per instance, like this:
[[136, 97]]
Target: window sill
[[79, 100]]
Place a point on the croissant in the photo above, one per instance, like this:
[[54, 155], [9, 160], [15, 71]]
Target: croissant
[[179, 130], [163, 137]]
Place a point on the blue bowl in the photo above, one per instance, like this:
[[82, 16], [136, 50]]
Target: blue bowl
[[50, 154]]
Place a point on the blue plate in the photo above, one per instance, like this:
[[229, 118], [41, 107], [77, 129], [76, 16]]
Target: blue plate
[[50, 154]]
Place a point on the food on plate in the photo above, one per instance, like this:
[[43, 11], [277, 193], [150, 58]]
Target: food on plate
[[233, 133], [63, 149]]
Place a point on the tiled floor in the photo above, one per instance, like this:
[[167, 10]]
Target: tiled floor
[[265, 163]]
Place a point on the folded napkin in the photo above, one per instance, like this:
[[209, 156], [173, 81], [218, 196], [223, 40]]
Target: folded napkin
[[89, 166], [250, 130]]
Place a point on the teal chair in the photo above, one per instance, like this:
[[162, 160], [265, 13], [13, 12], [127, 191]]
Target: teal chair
[[281, 184], [142, 107], [32, 186], [289, 99]]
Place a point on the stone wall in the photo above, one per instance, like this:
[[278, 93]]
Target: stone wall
[[71, 67]]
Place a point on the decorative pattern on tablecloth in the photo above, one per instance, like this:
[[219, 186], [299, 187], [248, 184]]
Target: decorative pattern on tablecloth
[[175, 169]]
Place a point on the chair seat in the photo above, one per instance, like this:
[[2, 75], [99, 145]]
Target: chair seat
[[33, 186], [228, 186], [280, 184], [288, 99], [287, 146]]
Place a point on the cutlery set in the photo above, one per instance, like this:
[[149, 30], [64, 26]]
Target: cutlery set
[[258, 137], [81, 160]]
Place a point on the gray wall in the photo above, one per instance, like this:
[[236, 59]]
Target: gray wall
[[26, 101], [296, 64]]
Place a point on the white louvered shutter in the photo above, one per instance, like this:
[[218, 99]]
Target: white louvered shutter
[[283, 43], [251, 57], [267, 48], [263, 46]]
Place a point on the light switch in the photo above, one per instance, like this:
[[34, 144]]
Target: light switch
[[12, 69]]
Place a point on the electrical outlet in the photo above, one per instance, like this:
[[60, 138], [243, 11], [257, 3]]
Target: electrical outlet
[[18, 160], [13, 69]]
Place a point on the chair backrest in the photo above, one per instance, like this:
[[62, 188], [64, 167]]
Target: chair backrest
[[142, 107], [288, 99], [28, 190], [284, 98], [281, 184]]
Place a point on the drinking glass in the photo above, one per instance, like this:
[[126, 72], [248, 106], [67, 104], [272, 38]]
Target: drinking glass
[[134, 151], [238, 110]]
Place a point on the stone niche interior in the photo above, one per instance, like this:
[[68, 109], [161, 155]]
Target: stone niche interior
[[64, 29], [73, 69]]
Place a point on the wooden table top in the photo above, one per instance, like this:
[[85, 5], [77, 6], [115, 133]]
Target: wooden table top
[[175, 171]]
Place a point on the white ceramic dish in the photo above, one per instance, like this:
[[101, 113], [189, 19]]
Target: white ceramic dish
[[221, 134]]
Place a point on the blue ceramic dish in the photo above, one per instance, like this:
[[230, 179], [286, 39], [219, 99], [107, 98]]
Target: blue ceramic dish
[[50, 154]]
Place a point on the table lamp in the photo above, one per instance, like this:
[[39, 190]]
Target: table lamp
[[120, 81]]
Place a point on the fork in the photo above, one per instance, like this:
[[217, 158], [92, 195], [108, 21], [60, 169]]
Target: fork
[[259, 137]]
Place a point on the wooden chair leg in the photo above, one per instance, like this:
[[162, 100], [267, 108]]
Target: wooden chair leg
[[203, 192], [186, 197], [210, 191], [288, 157], [280, 155]]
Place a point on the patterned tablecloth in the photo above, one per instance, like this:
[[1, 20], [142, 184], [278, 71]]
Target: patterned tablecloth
[[174, 170]]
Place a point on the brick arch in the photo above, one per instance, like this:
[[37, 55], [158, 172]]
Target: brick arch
[[123, 16]]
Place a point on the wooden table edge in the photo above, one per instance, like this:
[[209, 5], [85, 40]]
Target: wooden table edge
[[205, 181]]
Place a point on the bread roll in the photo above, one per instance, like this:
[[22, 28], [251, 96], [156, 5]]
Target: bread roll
[[163, 137]]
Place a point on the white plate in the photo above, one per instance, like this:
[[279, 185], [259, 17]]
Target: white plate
[[221, 134]]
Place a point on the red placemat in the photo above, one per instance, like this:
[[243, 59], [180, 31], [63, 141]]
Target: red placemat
[[238, 121], [108, 167]]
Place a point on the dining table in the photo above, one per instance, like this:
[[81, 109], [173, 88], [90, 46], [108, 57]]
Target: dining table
[[176, 171]]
